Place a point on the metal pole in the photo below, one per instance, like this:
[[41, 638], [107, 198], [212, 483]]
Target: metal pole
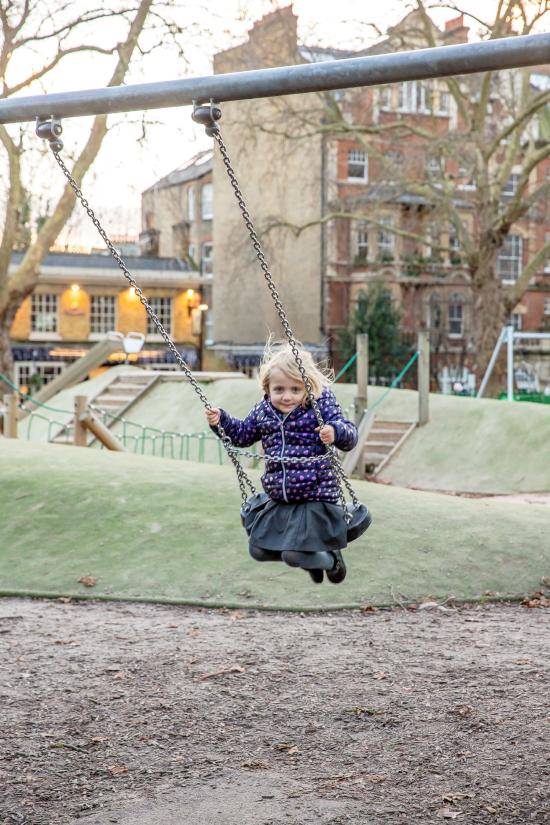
[[423, 377], [362, 349], [442, 61], [494, 356], [510, 363]]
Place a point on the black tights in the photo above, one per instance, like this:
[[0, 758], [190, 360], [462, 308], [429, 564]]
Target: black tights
[[319, 560]]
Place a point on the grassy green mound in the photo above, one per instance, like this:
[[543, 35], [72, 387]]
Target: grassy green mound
[[155, 529], [469, 445]]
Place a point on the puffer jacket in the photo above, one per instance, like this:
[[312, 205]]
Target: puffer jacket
[[294, 434]]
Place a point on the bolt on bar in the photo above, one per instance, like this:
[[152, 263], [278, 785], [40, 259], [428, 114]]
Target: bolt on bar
[[442, 61]]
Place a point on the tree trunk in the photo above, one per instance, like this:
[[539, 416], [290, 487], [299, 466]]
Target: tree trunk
[[489, 318], [6, 358]]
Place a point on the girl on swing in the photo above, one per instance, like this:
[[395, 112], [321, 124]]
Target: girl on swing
[[302, 522]]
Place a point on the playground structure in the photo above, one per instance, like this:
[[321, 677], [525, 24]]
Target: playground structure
[[508, 336]]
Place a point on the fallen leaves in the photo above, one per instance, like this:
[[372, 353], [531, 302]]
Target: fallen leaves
[[291, 750], [87, 581], [222, 672], [538, 599], [117, 770], [462, 710]]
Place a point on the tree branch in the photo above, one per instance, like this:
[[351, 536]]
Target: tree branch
[[515, 292]]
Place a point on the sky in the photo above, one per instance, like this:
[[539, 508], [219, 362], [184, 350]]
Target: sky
[[126, 165]]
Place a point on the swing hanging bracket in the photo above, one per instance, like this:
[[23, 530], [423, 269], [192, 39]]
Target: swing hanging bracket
[[50, 129], [206, 114]]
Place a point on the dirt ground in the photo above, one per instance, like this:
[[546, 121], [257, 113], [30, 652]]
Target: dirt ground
[[127, 713]]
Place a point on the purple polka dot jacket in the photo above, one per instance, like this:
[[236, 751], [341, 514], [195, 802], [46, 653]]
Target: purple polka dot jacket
[[293, 434]]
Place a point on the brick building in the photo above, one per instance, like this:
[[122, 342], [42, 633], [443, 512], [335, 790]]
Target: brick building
[[80, 297], [328, 181]]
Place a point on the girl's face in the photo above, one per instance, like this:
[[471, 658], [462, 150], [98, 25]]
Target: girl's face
[[285, 392]]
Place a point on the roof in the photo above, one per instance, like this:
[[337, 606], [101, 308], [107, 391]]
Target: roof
[[197, 167], [96, 260]]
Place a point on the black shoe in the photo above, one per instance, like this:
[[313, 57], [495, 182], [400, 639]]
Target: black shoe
[[316, 576], [338, 572]]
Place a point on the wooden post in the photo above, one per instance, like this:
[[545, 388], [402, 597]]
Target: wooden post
[[362, 349], [10, 416], [103, 433], [80, 434], [423, 377]]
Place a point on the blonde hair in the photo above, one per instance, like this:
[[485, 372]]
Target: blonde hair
[[279, 355]]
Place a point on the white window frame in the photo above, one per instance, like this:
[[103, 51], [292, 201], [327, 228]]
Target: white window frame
[[385, 239], [386, 98], [362, 242], [547, 262], [191, 203], [163, 308], [107, 318], [511, 186], [517, 321], [455, 303], [207, 260], [444, 95], [44, 303], [415, 96], [359, 159], [510, 262], [546, 310], [433, 166], [207, 203], [32, 367]]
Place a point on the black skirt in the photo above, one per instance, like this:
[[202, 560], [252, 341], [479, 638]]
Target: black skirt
[[306, 526]]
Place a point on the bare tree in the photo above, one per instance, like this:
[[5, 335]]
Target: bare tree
[[37, 34]]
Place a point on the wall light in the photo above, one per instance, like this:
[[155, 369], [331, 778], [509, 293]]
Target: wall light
[[190, 293], [75, 288]]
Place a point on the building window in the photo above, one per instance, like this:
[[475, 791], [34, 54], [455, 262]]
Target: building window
[[444, 103], [34, 375], [385, 238], [192, 254], [456, 317], [191, 203], [517, 321], [102, 313], [358, 167], [547, 306], [454, 249], [386, 97], [433, 166], [44, 313], [207, 202], [510, 257], [206, 259], [511, 186], [162, 307], [415, 96], [362, 252], [435, 312]]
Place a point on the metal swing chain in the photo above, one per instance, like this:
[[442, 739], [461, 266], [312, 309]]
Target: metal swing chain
[[214, 130], [242, 476]]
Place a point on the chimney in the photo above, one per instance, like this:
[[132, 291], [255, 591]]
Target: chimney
[[456, 31]]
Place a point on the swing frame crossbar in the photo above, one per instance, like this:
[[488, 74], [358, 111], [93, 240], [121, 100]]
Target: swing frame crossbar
[[372, 70]]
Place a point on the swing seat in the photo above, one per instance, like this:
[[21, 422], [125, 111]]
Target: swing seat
[[360, 516], [360, 520]]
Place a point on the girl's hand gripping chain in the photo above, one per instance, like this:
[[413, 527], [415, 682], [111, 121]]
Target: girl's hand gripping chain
[[326, 433], [213, 416]]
